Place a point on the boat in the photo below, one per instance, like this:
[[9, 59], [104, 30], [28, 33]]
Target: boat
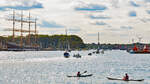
[[14, 45], [77, 55], [82, 75], [90, 54], [135, 50], [93, 52], [97, 52], [102, 51], [98, 49], [109, 78], [66, 53]]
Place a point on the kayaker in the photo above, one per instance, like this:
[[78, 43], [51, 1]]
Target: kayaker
[[126, 77], [78, 74]]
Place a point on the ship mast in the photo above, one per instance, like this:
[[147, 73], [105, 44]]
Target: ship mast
[[35, 33], [98, 40], [13, 26], [66, 40], [21, 40], [29, 30], [23, 19], [67, 43]]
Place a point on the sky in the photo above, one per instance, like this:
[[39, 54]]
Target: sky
[[117, 21]]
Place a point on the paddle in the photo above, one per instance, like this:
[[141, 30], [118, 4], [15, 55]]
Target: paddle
[[84, 72]]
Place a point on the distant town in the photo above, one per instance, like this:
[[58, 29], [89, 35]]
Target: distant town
[[59, 42]]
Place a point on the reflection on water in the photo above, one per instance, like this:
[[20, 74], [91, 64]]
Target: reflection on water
[[50, 67]]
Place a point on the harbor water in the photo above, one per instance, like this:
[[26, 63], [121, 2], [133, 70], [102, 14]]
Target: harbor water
[[50, 67]]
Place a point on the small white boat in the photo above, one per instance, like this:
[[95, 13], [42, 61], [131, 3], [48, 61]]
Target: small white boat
[[77, 55]]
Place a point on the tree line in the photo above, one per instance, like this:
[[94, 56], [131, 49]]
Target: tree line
[[55, 42]]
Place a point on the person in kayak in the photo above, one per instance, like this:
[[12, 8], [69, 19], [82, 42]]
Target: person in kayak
[[126, 77], [78, 74]]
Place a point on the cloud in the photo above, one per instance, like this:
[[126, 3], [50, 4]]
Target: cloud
[[115, 3], [132, 14], [113, 29], [147, 0], [92, 7], [123, 35], [148, 11], [99, 23], [126, 27], [20, 5], [99, 17], [47, 24], [95, 34], [134, 4], [74, 29], [92, 34], [145, 20]]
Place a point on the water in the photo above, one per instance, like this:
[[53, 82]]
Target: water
[[50, 67]]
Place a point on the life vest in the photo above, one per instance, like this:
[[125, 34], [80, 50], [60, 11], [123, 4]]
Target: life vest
[[126, 78], [145, 49], [78, 74], [135, 48]]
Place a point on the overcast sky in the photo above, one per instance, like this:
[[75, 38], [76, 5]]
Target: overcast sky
[[117, 21]]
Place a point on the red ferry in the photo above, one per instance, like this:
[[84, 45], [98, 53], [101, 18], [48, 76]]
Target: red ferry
[[136, 50]]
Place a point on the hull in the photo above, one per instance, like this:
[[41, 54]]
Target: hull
[[21, 49], [77, 55], [82, 75], [125, 80], [15, 47], [90, 54], [139, 52], [66, 55]]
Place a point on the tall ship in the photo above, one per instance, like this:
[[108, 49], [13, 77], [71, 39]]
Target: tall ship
[[24, 44]]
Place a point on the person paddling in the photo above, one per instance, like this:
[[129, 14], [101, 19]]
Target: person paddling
[[78, 74], [126, 77]]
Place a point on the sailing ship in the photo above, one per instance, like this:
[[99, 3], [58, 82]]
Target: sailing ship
[[12, 45], [66, 53], [98, 49]]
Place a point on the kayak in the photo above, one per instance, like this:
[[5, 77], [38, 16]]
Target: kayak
[[82, 75], [125, 80]]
